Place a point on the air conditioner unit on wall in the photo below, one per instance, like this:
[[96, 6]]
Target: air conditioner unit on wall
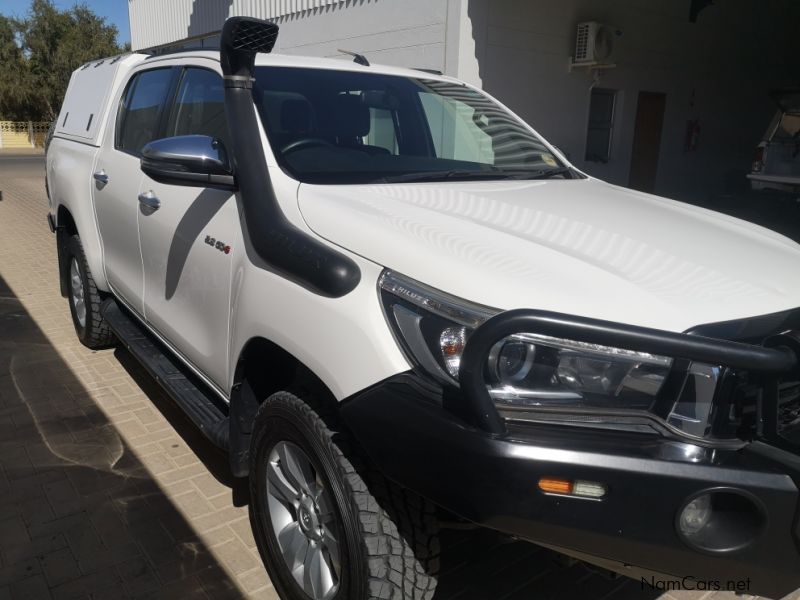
[[594, 43]]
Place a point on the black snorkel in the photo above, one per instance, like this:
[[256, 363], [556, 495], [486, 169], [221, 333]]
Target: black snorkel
[[282, 246]]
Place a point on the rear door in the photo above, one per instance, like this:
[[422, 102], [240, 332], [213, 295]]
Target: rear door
[[187, 243], [117, 178]]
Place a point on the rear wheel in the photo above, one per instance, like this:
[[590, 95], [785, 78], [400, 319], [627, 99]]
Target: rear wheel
[[327, 527], [84, 299]]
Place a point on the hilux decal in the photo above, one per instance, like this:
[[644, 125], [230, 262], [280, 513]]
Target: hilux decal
[[219, 245]]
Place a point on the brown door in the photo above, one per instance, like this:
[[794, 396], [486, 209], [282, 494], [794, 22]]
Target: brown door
[[646, 141]]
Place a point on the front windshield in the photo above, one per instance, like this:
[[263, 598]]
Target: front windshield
[[340, 127]]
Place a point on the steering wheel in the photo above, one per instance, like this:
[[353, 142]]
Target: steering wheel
[[305, 143]]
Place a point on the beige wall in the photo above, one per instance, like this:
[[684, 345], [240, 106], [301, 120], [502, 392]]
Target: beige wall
[[22, 134]]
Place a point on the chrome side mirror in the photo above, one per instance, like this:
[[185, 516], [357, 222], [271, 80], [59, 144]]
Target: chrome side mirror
[[192, 160]]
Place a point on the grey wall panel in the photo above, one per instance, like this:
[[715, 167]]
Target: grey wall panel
[[156, 22]]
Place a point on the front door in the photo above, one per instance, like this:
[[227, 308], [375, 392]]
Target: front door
[[117, 177], [647, 141], [186, 241]]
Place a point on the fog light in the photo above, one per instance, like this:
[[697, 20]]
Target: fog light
[[721, 520], [695, 515]]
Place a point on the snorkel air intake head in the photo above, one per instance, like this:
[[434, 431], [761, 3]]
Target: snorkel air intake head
[[242, 39], [281, 246]]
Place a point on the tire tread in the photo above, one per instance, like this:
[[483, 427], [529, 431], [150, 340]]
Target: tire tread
[[96, 334], [399, 528]]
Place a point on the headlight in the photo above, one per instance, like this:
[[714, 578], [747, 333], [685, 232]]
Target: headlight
[[527, 372], [536, 370], [431, 326]]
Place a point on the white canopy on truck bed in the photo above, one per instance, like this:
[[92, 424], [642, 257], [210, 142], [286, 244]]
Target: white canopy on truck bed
[[91, 87]]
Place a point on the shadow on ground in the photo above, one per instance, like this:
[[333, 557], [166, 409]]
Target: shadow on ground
[[79, 514], [214, 459]]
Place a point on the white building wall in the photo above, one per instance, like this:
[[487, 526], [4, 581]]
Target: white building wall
[[409, 33], [157, 22], [396, 32]]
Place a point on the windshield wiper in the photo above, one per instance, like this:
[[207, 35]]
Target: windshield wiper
[[464, 175], [548, 174], [453, 174]]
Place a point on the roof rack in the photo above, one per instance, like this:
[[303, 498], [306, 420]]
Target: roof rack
[[99, 61], [189, 44]]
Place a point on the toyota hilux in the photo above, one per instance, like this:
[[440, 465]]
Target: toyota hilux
[[385, 295]]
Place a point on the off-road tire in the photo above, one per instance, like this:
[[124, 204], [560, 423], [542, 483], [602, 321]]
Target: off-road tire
[[95, 333], [390, 549]]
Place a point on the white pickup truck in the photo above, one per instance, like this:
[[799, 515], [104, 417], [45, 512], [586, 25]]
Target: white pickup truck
[[383, 292]]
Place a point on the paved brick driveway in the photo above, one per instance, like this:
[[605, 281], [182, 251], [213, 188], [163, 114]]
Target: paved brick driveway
[[106, 490]]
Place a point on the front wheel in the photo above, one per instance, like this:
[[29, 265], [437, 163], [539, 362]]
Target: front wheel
[[327, 527]]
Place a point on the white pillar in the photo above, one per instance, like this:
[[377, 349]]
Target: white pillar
[[466, 39]]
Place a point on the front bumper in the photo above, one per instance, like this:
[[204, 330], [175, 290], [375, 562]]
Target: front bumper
[[493, 482], [453, 447]]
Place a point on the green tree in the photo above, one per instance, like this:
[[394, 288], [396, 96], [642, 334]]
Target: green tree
[[15, 86], [48, 45]]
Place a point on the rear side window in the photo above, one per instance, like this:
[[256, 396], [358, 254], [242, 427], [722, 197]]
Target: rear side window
[[137, 123], [199, 106]]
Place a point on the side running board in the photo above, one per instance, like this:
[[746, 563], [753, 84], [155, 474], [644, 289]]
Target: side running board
[[197, 401]]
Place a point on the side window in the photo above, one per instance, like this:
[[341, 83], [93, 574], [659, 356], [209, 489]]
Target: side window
[[199, 106], [137, 123]]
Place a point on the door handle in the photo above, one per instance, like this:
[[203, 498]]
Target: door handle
[[100, 177], [149, 200]]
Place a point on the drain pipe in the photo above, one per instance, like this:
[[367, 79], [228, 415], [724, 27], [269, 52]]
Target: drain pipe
[[283, 247]]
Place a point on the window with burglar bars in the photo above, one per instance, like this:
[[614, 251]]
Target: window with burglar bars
[[601, 125]]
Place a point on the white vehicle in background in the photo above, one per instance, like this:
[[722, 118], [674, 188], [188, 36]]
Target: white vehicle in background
[[777, 163], [382, 292]]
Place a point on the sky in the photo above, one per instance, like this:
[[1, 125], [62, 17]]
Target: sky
[[115, 12]]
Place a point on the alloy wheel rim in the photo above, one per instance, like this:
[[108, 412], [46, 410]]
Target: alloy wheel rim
[[300, 509], [78, 296]]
